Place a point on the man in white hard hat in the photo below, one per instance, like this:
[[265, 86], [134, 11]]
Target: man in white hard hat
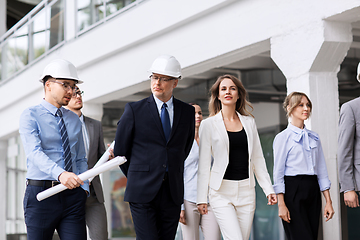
[[55, 153], [155, 135], [95, 213], [349, 150]]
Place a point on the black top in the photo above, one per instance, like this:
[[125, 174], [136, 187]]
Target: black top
[[238, 167]]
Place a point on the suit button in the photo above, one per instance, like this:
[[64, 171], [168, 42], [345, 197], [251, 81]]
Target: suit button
[[164, 165]]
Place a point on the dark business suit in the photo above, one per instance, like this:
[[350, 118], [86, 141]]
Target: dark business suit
[[140, 138], [95, 209]]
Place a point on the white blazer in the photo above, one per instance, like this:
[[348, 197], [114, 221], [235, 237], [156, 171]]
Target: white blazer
[[214, 141]]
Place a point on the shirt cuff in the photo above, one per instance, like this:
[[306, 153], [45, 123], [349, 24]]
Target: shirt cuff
[[279, 188], [324, 184]]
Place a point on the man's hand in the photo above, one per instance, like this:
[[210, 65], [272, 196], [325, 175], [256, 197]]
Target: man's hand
[[284, 213], [70, 180], [351, 199], [182, 217], [111, 151]]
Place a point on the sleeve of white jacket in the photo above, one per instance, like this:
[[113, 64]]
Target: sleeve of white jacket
[[204, 162], [258, 163]]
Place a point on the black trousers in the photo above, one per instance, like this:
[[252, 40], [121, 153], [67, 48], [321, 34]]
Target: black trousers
[[158, 219], [302, 198]]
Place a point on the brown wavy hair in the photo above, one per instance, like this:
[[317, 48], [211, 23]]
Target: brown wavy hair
[[242, 104], [293, 100]]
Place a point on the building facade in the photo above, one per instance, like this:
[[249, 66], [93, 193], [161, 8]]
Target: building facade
[[275, 47]]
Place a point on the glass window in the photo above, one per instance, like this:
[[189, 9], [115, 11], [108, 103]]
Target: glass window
[[122, 225], [22, 47], [39, 34], [15, 177], [10, 63], [89, 12], [266, 221], [57, 23], [113, 6]]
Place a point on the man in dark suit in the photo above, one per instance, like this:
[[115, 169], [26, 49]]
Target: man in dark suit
[[95, 213], [155, 135]]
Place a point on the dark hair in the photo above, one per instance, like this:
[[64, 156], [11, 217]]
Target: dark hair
[[293, 100], [242, 104]]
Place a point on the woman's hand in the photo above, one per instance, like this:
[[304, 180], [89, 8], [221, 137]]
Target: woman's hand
[[182, 217], [328, 211], [284, 213], [202, 208], [272, 199]]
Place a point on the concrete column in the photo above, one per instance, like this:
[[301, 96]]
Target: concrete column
[[310, 58], [93, 110], [3, 150], [3, 28]]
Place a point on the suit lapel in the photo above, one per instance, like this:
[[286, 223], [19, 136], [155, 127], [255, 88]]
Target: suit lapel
[[221, 129], [155, 114], [90, 130], [248, 130], [177, 114]]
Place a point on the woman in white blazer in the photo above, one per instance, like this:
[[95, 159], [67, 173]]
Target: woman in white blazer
[[230, 136]]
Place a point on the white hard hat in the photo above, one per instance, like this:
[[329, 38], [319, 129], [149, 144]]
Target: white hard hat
[[61, 68], [166, 65], [358, 73]]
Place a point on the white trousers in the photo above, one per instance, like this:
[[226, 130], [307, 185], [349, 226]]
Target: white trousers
[[194, 219], [234, 206]]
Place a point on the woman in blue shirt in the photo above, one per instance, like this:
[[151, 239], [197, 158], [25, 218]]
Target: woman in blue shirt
[[300, 173]]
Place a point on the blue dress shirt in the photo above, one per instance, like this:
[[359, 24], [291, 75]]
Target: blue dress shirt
[[42, 142], [298, 152], [170, 108]]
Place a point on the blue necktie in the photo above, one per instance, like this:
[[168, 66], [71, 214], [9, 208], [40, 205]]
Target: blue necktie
[[165, 120], [65, 141]]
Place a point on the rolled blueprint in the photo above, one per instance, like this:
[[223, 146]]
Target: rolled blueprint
[[103, 158], [84, 176]]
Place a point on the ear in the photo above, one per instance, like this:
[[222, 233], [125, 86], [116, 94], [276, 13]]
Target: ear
[[288, 109], [176, 83]]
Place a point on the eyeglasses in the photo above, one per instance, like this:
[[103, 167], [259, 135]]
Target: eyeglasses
[[78, 93], [65, 85], [161, 79]]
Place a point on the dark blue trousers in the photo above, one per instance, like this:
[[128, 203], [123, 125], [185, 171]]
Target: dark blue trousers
[[64, 212], [158, 219]]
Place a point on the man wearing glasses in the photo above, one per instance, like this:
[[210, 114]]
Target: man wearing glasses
[[95, 213], [53, 142], [155, 135]]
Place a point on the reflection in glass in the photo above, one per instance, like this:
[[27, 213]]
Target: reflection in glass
[[9, 51], [39, 34], [89, 12], [22, 47], [122, 225], [266, 223], [57, 23], [113, 6]]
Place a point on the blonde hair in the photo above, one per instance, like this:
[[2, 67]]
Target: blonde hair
[[293, 100], [242, 104]]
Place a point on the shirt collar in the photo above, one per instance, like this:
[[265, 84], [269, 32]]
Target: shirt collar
[[159, 103], [302, 131], [81, 118], [51, 108]]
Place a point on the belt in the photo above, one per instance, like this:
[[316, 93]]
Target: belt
[[42, 183]]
